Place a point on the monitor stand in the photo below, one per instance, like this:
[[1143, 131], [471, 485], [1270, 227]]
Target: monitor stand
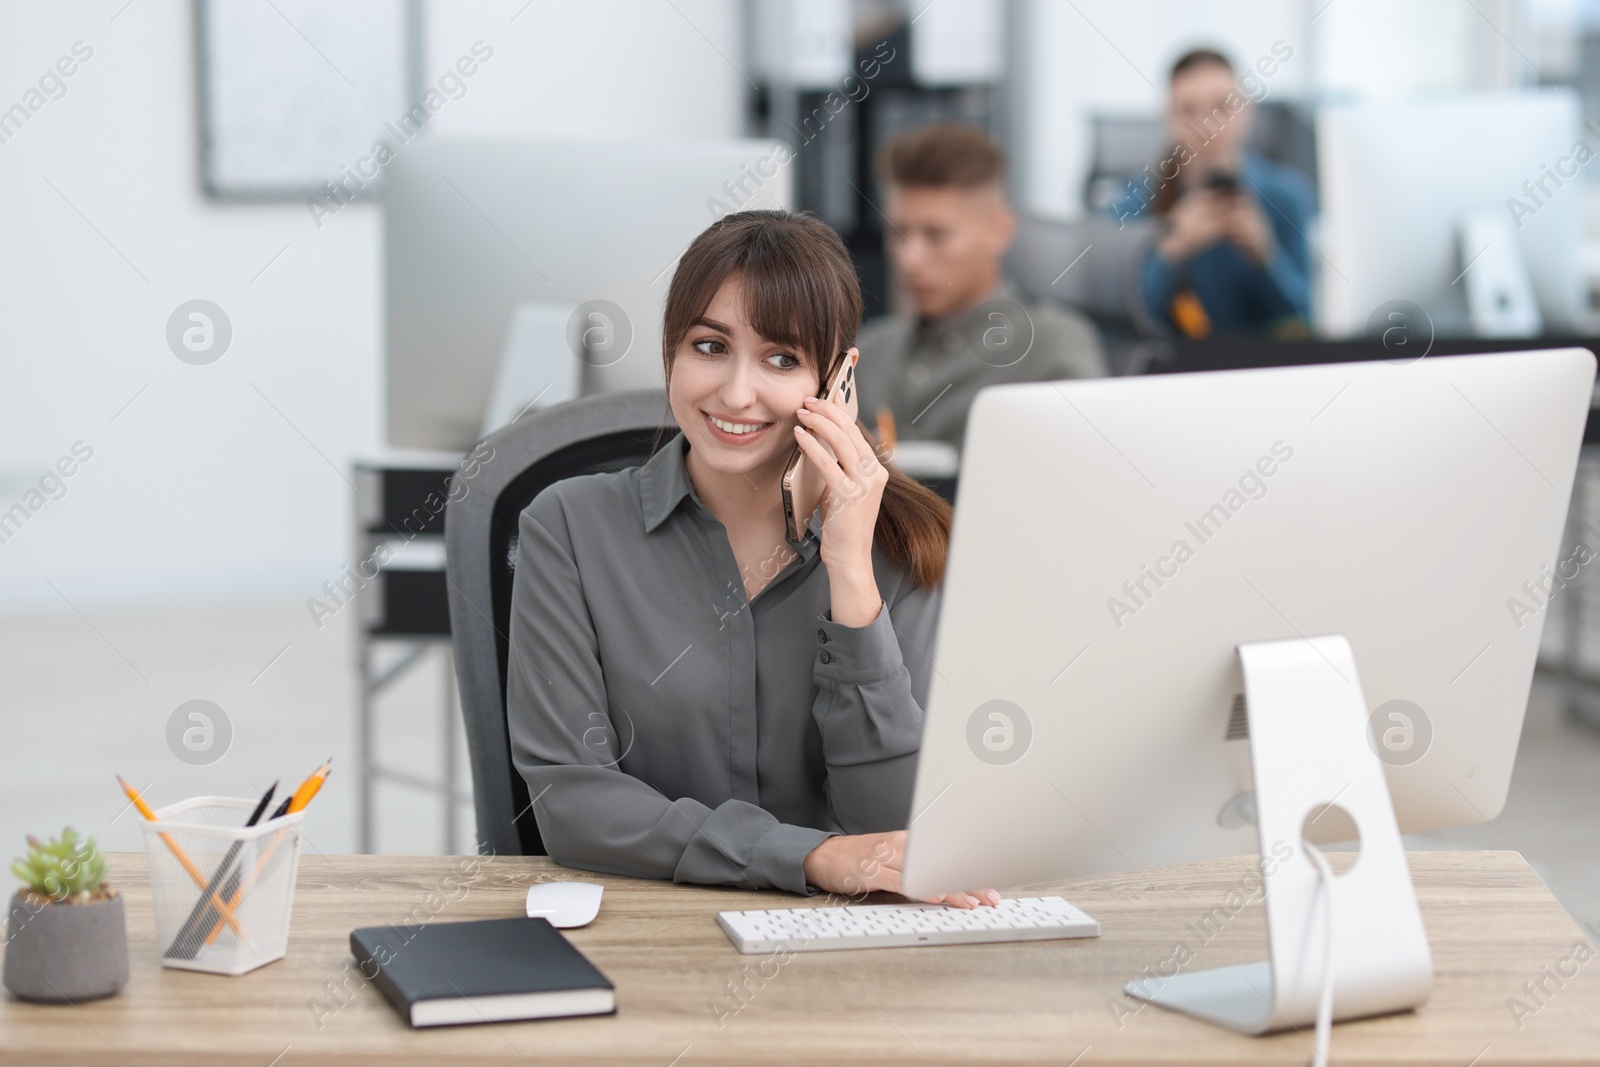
[[1309, 750]]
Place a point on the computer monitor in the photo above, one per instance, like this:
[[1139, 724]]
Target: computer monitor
[[1373, 542], [535, 369], [1117, 538], [1397, 182], [475, 230]]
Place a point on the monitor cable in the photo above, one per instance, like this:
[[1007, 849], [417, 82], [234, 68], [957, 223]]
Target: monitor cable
[[1319, 1055]]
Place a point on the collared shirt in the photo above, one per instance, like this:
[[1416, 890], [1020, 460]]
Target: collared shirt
[[669, 728], [927, 371]]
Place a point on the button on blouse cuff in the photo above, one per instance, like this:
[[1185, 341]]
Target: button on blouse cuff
[[856, 655]]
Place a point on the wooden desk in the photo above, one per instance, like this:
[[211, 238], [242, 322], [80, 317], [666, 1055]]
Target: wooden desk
[[1492, 923]]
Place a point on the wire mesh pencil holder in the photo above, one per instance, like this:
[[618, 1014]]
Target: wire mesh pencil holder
[[221, 891]]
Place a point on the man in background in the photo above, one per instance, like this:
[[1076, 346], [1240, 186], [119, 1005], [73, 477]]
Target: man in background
[[1232, 257], [965, 327]]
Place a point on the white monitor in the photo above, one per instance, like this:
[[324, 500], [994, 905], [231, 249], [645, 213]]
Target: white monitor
[[474, 229], [1397, 182], [536, 369], [1117, 539]]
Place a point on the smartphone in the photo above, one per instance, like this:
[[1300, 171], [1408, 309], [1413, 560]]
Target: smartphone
[[802, 483], [1221, 182]]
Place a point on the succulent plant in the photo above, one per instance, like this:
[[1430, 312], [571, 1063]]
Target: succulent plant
[[68, 867]]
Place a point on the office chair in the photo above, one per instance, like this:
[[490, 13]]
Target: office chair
[[593, 434], [1120, 145], [1091, 264]]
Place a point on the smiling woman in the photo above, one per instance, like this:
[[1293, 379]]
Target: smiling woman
[[773, 745], [761, 308]]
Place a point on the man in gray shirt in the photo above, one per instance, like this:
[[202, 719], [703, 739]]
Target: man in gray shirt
[[948, 228], [650, 743]]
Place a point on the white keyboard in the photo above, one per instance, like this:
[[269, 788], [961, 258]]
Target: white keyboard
[[895, 925]]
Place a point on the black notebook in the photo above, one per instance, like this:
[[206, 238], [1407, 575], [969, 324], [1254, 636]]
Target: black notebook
[[443, 974]]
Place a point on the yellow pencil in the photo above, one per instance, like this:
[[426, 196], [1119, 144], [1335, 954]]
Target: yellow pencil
[[301, 797], [194, 872], [309, 787], [316, 785]]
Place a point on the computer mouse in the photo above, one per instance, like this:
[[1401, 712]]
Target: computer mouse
[[565, 904]]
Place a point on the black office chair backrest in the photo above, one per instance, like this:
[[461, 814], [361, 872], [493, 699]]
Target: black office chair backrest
[[594, 434]]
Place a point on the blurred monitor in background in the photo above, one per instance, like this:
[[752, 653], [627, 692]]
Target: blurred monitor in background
[[1232, 256], [518, 273], [1459, 215], [963, 325]]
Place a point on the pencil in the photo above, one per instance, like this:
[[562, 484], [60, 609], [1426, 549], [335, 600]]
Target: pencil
[[186, 944], [312, 783], [223, 910], [293, 803], [311, 786], [233, 891], [266, 798]]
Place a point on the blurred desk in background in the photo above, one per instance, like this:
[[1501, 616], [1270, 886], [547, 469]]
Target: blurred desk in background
[[398, 575], [1182, 356]]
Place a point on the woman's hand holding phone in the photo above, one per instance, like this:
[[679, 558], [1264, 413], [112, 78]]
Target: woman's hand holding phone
[[857, 864], [854, 479]]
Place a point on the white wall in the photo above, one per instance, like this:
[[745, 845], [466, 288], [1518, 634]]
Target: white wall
[[227, 481]]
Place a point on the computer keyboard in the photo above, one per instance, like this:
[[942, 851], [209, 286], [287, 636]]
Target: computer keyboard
[[896, 925]]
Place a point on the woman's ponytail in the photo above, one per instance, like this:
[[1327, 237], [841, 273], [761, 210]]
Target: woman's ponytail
[[913, 524]]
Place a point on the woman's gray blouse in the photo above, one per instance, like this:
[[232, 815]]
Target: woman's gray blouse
[[669, 728]]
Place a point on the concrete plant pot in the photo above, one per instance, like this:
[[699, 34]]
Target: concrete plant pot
[[65, 952]]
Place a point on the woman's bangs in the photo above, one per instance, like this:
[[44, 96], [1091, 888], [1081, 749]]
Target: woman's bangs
[[784, 304]]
